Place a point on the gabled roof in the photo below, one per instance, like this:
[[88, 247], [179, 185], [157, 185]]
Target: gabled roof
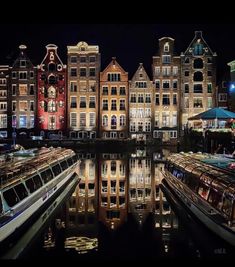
[[136, 75], [114, 63], [22, 55], [198, 35], [53, 47]]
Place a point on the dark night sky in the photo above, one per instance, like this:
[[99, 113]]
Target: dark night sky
[[130, 43]]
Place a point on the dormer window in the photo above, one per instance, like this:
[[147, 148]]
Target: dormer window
[[166, 47], [22, 63]]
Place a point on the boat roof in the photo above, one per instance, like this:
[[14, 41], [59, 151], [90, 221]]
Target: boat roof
[[12, 172]]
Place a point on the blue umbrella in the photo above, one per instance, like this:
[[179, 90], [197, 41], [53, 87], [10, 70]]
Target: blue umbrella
[[214, 113]]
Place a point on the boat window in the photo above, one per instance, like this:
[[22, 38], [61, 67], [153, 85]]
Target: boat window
[[37, 181], [215, 198], [64, 165], [193, 183], [30, 185], [0, 205], [70, 162], [21, 191], [56, 170], [227, 206], [11, 197], [46, 175], [203, 191], [178, 173], [75, 158]]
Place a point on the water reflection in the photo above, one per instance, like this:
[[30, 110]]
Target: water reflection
[[119, 210]]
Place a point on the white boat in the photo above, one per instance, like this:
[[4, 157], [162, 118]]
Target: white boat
[[25, 188], [208, 191]]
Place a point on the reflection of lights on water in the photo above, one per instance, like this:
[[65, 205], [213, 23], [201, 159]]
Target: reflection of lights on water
[[166, 248], [112, 225], [81, 244]]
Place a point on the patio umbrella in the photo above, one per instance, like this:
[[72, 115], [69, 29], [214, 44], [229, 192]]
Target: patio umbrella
[[214, 113]]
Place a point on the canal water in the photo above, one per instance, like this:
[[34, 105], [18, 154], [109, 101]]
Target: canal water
[[118, 211]]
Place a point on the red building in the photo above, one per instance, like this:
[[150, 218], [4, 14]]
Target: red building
[[51, 93]]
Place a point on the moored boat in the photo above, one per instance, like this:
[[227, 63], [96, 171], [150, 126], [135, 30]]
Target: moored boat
[[208, 191], [26, 187]]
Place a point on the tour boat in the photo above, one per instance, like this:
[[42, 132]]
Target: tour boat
[[207, 190], [27, 186]]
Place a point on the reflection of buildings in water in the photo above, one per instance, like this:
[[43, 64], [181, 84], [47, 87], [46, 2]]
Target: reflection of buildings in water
[[80, 227], [140, 185], [113, 190]]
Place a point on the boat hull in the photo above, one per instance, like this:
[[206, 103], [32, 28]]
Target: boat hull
[[219, 229], [22, 217]]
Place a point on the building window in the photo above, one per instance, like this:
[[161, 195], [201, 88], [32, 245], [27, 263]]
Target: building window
[[23, 75], [148, 126], [3, 106], [197, 88], [52, 122], [113, 122], [73, 119], [166, 59], [133, 98], [147, 112], [173, 134], [31, 89], [83, 86], [73, 72], [140, 98], [105, 104], [82, 119], [166, 47], [14, 76], [22, 121], [3, 121], [165, 119], [52, 79], [105, 121], [198, 63], [157, 71], [166, 71], [132, 126], [3, 93], [157, 101], [113, 90], [157, 119], [174, 99], [122, 104], [175, 84], [147, 98], [186, 88], [122, 90], [51, 92], [157, 84], [165, 99], [13, 105], [82, 72], [209, 102], [92, 119], [186, 102], [82, 59], [198, 49], [82, 102], [174, 119], [51, 106], [23, 89], [14, 121], [141, 84], [31, 74], [92, 58], [73, 87], [23, 106], [32, 121], [209, 88], [61, 104], [114, 77], [197, 103], [198, 76], [92, 102], [73, 102], [122, 120], [105, 90], [92, 72], [113, 104], [73, 59], [175, 71], [209, 60], [13, 88], [223, 97], [186, 73], [166, 84], [31, 106]]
